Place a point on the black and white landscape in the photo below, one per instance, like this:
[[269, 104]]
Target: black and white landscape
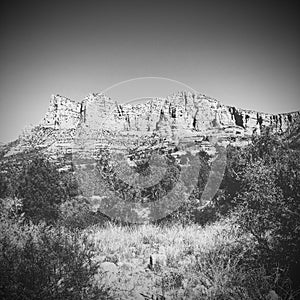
[[170, 168]]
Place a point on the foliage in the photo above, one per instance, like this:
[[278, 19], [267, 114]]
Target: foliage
[[191, 210], [267, 203], [106, 171], [3, 185], [40, 262], [41, 190], [260, 194], [188, 262], [78, 213]]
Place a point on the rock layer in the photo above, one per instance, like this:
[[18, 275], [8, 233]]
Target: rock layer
[[181, 112], [181, 116]]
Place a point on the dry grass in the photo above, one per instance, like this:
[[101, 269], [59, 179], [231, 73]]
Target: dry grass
[[187, 262]]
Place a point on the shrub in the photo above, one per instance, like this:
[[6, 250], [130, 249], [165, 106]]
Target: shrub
[[40, 262], [268, 203], [77, 213], [41, 190]]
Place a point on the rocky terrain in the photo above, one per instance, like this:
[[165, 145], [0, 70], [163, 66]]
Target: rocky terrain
[[99, 122], [176, 246]]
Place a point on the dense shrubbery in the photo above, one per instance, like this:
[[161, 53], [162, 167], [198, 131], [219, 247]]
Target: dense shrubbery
[[40, 188], [260, 193], [105, 171], [42, 255], [39, 185], [267, 205], [77, 213], [42, 262]]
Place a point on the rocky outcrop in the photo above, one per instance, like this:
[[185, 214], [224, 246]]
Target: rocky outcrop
[[180, 112], [182, 116], [63, 113]]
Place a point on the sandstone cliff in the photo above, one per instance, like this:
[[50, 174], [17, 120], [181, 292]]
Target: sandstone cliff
[[180, 111], [183, 115]]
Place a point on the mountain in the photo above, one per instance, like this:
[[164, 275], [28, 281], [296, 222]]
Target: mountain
[[148, 151], [184, 117]]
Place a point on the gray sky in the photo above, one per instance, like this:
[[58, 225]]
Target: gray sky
[[243, 53]]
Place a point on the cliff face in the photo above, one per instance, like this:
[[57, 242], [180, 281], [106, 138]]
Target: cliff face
[[182, 112], [182, 116], [62, 113]]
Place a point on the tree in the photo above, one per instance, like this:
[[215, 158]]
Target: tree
[[267, 203], [41, 189]]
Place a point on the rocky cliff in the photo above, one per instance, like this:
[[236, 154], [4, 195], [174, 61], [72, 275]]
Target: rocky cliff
[[183, 115], [180, 111]]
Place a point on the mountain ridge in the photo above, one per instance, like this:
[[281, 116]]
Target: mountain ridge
[[182, 115], [66, 107]]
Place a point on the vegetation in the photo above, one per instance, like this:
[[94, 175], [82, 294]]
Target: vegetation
[[188, 262], [45, 262], [267, 204], [244, 245]]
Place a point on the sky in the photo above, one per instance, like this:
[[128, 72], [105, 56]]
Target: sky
[[243, 53]]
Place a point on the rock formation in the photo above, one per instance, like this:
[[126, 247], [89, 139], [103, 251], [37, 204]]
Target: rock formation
[[181, 116], [181, 111]]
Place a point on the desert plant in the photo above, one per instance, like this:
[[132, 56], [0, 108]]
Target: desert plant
[[41, 262], [77, 213], [41, 190], [267, 204]]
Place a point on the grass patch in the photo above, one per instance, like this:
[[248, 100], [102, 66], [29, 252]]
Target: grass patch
[[184, 262]]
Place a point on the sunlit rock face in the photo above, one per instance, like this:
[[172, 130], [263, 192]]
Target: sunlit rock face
[[182, 116], [181, 112], [63, 113]]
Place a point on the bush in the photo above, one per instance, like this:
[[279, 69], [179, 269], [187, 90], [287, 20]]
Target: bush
[[267, 203], [77, 213], [41, 190], [40, 262], [36, 181]]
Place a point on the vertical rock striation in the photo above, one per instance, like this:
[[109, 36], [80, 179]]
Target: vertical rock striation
[[183, 116], [181, 112]]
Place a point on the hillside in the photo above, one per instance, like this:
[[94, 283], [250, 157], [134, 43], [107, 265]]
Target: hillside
[[175, 198]]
